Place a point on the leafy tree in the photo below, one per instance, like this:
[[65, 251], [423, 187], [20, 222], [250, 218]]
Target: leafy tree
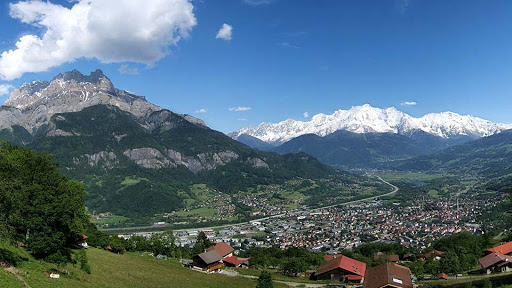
[[81, 259], [163, 244], [265, 280], [118, 245], [202, 243], [38, 206], [294, 266]]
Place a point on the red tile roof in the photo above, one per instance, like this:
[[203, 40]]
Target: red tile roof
[[233, 260], [350, 265], [505, 249], [222, 248], [388, 274], [442, 276], [493, 259]]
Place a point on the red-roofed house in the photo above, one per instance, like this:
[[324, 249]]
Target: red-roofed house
[[504, 249], [224, 249], [389, 275], [342, 269]]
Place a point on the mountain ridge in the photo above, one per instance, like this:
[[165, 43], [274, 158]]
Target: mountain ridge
[[368, 119]]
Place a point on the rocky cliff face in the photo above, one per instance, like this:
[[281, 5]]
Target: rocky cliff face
[[33, 104]]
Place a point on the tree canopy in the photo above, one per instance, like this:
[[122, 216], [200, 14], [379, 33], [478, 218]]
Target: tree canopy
[[39, 208]]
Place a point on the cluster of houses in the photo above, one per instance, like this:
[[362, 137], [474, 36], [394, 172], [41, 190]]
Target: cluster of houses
[[345, 269], [497, 259]]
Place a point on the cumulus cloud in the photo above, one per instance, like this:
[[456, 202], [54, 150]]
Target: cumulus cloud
[[111, 31], [257, 2], [305, 114], [408, 103], [126, 69], [239, 109], [202, 110], [5, 89], [225, 32]]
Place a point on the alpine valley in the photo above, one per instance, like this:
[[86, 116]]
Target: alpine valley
[[137, 159]]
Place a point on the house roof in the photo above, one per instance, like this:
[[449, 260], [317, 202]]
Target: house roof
[[222, 248], [387, 258], [354, 277], [345, 263], [442, 276], [505, 248], [210, 257], [493, 259], [388, 274], [233, 260], [433, 253]]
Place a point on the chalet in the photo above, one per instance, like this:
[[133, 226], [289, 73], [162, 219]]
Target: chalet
[[495, 263], [389, 275], [223, 249], [381, 257], [209, 261], [504, 249], [341, 268]]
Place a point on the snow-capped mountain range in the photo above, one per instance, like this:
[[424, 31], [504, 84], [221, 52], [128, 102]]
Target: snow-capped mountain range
[[368, 119]]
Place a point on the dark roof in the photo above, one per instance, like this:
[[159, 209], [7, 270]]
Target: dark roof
[[493, 259], [504, 249], [387, 258], [350, 265], [222, 248], [388, 274], [210, 257]]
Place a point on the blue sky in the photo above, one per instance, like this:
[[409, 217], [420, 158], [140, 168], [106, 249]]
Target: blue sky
[[287, 57]]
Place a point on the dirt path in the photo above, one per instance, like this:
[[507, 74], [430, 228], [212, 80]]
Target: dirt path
[[16, 273]]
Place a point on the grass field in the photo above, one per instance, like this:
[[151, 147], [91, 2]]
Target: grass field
[[132, 181], [433, 193], [112, 219], [397, 176], [117, 271]]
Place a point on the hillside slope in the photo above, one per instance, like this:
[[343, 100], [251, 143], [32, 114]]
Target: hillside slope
[[119, 271]]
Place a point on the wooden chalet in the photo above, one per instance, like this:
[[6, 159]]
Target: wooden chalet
[[389, 275], [209, 261], [495, 262], [341, 268]]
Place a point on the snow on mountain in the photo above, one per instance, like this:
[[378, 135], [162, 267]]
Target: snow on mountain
[[367, 119]]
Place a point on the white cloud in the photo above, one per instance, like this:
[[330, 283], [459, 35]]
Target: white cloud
[[5, 89], [111, 31], [288, 45], [239, 109], [202, 110], [126, 69], [242, 119], [225, 32], [408, 103], [257, 2], [305, 114]]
